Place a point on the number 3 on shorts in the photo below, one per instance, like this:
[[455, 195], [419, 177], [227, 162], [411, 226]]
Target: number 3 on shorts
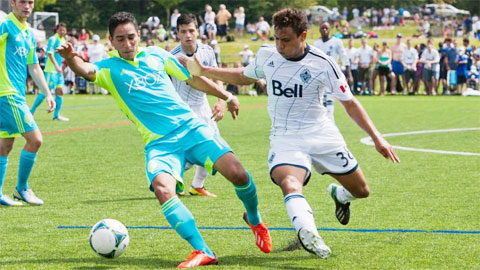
[[345, 156]]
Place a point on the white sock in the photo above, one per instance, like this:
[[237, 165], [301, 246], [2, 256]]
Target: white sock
[[299, 211], [342, 194], [199, 178]]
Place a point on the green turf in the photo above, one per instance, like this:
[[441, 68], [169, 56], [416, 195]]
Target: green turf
[[93, 170]]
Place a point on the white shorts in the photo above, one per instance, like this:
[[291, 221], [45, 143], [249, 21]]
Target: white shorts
[[204, 112], [325, 149]]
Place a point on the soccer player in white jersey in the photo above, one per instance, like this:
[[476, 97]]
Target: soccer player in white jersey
[[297, 75], [333, 47], [187, 32]]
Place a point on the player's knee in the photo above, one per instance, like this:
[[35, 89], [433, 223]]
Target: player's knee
[[35, 143], [238, 176], [363, 192], [290, 184], [6, 149]]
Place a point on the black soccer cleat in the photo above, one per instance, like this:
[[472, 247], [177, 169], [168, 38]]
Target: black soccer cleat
[[342, 211]]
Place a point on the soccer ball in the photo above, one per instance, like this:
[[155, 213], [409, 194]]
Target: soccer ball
[[109, 238]]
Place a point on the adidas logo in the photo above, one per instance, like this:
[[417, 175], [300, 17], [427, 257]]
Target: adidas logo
[[271, 64]]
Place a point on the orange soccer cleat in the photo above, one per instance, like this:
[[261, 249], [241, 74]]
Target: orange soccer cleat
[[262, 236], [202, 192], [198, 258]]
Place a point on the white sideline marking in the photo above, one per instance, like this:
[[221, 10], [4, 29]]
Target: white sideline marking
[[368, 141]]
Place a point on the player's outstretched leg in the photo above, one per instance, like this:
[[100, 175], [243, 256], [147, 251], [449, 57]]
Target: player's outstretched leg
[[181, 219], [246, 191], [37, 102], [301, 216], [354, 185], [198, 183]]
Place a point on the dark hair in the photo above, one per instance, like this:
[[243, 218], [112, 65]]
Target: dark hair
[[291, 17], [59, 25], [185, 19], [121, 18]]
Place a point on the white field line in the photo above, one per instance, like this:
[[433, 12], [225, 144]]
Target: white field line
[[368, 141]]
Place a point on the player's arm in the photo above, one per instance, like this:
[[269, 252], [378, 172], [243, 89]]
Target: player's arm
[[356, 111], [211, 88], [76, 63], [36, 73], [229, 75]]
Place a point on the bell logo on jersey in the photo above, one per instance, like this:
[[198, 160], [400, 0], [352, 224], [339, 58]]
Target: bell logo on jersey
[[296, 91]]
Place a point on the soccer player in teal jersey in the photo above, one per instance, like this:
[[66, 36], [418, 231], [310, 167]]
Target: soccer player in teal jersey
[[137, 79], [54, 72], [17, 55]]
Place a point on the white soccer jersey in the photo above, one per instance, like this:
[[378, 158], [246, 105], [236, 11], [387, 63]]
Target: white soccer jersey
[[190, 95], [295, 88], [334, 48]]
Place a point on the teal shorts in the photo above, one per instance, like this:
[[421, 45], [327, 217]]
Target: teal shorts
[[15, 117], [193, 142], [54, 80]]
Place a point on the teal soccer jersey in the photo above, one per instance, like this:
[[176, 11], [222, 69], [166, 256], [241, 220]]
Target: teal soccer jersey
[[144, 91], [17, 50], [53, 43]]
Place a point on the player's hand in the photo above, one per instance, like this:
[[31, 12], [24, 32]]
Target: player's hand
[[66, 51], [51, 103], [218, 110], [386, 150], [194, 66], [233, 107], [59, 70]]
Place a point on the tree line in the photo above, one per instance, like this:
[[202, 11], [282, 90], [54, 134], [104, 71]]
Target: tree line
[[94, 14]]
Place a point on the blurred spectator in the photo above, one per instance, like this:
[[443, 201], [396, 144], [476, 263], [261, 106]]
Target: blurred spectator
[[73, 33], [150, 42], [247, 55], [239, 15], [356, 13], [461, 61], [152, 23], [204, 39], [216, 50], [251, 28], [262, 29], [96, 52], [168, 47], [397, 67], [351, 53], [223, 15], [365, 58], [385, 69], [173, 23], [430, 59], [409, 62], [209, 19], [162, 34], [144, 32], [84, 36]]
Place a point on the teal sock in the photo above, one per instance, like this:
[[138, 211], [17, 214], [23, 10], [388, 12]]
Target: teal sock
[[182, 221], [37, 102], [59, 102], [248, 195], [27, 159], [3, 170]]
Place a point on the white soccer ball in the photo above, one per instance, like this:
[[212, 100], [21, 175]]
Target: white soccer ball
[[109, 238]]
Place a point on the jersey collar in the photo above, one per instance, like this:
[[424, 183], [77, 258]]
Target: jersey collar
[[307, 49], [196, 49], [140, 51], [62, 39], [22, 26]]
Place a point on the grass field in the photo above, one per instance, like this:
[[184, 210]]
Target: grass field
[[93, 168]]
